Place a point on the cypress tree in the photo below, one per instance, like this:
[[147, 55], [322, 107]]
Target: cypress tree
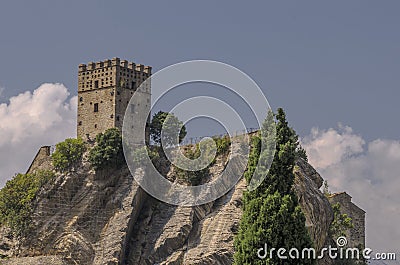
[[271, 213]]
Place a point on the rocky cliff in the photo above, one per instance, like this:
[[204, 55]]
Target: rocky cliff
[[84, 217]]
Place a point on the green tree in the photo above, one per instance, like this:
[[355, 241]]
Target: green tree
[[341, 222], [194, 177], [16, 199], [271, 213], [168, 124], [68, 153], [108, 152], [325, 189], [340, 225], [301, 153], [208, 153], [223, 144]]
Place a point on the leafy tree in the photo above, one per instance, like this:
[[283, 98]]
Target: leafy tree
[[223, 144], [194, 177], [325, 189], [108, 152], [171, 126], [139, 154], [340, 225], [271, 213], [16, 199], [341, 222], [301, 153], [255, 148], [68, 153]]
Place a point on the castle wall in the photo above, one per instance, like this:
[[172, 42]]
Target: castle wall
[[356, 235], [129, 79], [91, 122], [42, 160]]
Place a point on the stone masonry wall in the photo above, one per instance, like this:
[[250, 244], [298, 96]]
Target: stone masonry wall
[[356, 235], [104, 91], [42, 160]]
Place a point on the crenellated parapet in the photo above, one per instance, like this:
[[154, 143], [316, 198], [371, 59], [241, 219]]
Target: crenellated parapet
[[114, 62]]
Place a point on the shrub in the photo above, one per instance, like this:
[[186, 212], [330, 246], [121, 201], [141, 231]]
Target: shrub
[[140, 155], [341, 222], [108, 152], [16, 199], [301, 153], [223, 144], [193, 178], [167, 123], [68, 153], [254, 154]]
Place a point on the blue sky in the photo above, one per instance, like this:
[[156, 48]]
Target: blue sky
[[324, 62]]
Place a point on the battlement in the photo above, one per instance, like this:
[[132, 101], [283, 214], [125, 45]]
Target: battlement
[[91, 66]]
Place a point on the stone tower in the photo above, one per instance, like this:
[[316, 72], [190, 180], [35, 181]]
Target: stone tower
[[104, 91]]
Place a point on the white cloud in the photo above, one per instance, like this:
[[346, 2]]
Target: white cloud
[[369, 172], [31, 120], [328, 147]]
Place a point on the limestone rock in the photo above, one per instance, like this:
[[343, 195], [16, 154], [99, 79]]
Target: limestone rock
[[8, 244], [211, 242], [106, 218], [85, 217], [40, 260], [314, 204]]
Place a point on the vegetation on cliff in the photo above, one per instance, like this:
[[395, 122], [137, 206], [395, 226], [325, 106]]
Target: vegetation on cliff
[[169, 124], [68, 153], [16, 200], [108, 152], [193, 178], [271, 213], [341, 221], [197, 177]]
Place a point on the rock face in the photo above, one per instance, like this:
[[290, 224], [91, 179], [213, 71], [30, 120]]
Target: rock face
[[8, 244], [314, 204], [85, 217], [39, 260], [187, 235]]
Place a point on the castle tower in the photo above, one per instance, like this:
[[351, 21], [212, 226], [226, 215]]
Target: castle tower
[[104, 91]]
